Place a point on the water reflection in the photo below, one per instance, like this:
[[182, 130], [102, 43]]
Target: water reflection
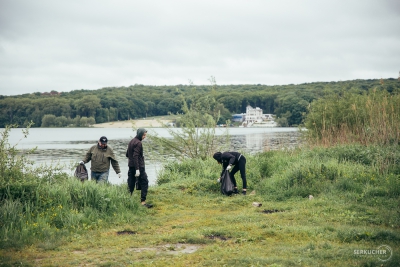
[[67, 146], [260, 142]]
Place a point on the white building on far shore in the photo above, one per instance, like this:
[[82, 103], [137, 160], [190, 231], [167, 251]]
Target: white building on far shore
[[254, 117]]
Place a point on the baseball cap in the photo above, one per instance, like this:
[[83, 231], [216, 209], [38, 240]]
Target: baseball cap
[[103, 140]]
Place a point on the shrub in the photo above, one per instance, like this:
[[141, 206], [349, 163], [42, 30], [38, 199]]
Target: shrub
[[40, 202]]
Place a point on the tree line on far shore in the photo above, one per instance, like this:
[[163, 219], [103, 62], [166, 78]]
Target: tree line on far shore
[[82, 108]]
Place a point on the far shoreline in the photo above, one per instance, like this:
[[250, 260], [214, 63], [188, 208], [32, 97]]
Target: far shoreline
[[133, 123]]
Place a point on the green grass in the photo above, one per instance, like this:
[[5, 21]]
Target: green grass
[[354, 207], [227, 231]]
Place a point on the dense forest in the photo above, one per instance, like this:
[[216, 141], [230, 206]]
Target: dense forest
[[80, 108]]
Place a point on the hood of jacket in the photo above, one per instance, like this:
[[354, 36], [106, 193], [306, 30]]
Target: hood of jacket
[[140, 132], [218, 156]]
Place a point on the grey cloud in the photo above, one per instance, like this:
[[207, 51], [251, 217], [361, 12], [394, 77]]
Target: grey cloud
[[91, 44]]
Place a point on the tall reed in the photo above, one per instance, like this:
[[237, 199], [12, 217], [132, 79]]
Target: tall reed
[[370, 118]]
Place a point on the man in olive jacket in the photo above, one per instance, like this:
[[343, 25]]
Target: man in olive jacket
[[101, 156], [137, 171]]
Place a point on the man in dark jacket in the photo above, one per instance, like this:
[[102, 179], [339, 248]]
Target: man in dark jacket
[[101, 156], [228, 159], [137, 172]]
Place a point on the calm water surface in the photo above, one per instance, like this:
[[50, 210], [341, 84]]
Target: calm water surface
[[67, 146]]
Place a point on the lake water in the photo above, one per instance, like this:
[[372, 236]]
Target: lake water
[[67, 146]]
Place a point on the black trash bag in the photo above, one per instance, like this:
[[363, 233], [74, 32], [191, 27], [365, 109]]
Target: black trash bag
[[226, 184], [138, 186], [137, 183], [81, 172]]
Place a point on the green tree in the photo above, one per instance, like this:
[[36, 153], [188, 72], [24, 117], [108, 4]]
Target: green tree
[[13, 164], [197, 138], [36, 116], [137, 108], [49, 120], [224, 113], [283, 120], [91, 121], [151, 108], [76, 121], [232, 101], [61, 121], [87, 105], [293, 104], [83, 122], [113, 114], [170, 105]]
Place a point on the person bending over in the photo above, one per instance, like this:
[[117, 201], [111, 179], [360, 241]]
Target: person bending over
[[229, 159]]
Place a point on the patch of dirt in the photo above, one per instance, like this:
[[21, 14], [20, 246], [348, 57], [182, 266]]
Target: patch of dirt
[[271, 211], [220, 237], [172, 249], [126, 232]]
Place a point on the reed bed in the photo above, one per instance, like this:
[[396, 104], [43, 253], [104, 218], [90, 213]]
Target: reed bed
[[369, 118]]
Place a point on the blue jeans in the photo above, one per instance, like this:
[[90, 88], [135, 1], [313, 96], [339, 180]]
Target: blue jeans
[[100, 177]]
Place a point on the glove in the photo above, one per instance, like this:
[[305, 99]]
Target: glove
[[81, 162], [219, 180], [137, 173], [229, 167], [119, 175]]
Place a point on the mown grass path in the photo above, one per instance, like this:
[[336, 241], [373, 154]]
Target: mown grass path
[[206, 229]]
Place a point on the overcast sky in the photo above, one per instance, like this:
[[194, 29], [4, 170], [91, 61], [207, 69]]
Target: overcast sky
[[90, 44]]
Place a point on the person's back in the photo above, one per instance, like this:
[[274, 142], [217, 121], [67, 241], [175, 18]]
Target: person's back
[[135, 153]]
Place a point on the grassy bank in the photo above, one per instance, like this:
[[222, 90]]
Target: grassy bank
[[354, 207]]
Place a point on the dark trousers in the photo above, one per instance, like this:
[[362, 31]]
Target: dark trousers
[[241, 166], [143, 182]]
